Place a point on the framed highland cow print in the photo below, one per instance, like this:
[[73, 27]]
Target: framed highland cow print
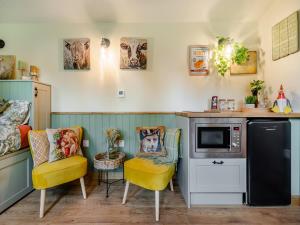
[[133, 53], [198, 60], [77, 54], [7, 67]]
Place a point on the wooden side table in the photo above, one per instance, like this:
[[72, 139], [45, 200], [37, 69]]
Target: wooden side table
[[103, 164]]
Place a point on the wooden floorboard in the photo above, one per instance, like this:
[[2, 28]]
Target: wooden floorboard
[[65, 205]]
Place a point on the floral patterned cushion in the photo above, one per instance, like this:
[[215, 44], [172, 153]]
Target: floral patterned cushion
[[16, 114], [10, 139], [151, 141], [39, 146], [64, 143], [4, 104]]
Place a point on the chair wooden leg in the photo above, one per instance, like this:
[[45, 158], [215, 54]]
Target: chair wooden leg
[[42, 203], [83, 187], [157, 205], [171, 185], [125, 192]]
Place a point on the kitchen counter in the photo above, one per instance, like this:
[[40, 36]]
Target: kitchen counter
[[237, 114]]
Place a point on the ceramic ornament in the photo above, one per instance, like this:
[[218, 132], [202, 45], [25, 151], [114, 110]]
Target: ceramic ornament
[[281, 104]]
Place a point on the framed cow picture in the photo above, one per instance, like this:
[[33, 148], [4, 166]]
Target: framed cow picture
[[7, 67], [133, 53], [77, 54]]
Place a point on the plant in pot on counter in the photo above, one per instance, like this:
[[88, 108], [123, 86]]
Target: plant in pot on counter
[[255, 87], [250, 101]]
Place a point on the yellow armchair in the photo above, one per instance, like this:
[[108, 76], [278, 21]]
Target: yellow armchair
[[153, 175], [48, 175]]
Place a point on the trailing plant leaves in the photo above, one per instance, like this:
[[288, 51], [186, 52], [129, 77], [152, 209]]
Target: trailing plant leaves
[[239, 54]]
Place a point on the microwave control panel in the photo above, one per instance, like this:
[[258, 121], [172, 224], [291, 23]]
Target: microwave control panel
[[236, 138]]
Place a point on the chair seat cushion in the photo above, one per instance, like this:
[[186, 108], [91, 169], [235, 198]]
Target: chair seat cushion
[[62, 171], [144, 173]]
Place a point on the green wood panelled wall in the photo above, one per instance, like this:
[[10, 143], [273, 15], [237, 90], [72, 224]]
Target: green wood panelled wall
[[94, 126], [16, 90]]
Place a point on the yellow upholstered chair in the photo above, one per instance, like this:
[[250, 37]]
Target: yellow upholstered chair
[[154, 174], [47, 175]]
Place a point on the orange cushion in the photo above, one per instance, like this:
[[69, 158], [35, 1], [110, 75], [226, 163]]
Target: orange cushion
[[24, 129]]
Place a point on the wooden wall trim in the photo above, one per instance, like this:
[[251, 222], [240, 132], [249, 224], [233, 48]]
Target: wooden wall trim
[[109, 113], [295, 200]]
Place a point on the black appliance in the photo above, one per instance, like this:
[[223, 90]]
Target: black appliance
[[268, 162]]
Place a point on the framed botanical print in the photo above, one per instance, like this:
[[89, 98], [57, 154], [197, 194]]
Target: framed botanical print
[[198, 60]]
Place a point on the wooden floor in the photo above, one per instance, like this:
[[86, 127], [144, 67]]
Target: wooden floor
[[66, 206]]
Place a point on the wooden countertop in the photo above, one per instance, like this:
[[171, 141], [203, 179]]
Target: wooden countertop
[[237, 114]]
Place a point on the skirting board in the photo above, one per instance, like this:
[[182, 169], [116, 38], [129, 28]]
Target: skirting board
[[216, 198], [295, 200]]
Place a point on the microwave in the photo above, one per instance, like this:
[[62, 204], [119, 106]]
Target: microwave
[[218, 137]]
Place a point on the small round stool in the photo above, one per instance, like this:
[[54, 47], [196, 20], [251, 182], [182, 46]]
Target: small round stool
[[102, 163]]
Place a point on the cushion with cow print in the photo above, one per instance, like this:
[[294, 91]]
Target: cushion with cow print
[[151, 141]]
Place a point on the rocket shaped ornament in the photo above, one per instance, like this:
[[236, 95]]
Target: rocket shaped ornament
[[281, 104]]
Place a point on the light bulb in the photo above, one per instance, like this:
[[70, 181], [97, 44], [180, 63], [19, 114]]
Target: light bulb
[[103, 52], [228, 51]]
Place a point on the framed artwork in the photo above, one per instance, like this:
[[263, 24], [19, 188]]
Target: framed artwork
[[77, 54], [133, 53], [285, 37], [250, 67], [7, 67], [198, 60]]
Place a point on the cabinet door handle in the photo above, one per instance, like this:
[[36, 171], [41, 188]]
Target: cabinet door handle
[[215, 162], [36, 92]]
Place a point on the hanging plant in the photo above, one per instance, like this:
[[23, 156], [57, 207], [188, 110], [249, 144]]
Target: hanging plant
[[227, 52]]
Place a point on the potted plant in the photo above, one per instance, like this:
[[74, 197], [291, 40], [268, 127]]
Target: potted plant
[[250, 101], [113, 136], [256, 86]]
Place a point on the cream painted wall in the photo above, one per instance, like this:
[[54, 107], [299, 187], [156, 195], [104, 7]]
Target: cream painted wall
[[164, 86], [284, 71]]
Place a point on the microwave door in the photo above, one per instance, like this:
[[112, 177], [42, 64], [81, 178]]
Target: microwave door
[[213, 139]]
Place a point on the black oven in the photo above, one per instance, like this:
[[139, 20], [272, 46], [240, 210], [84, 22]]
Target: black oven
[[218, 137]]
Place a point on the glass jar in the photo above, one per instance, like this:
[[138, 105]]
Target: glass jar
[[223, 105], [231, 104]]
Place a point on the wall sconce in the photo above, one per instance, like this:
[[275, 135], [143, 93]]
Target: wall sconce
[[105, 43], [2, 43]]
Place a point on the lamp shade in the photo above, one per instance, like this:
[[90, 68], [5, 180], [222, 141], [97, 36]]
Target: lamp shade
[[105, 42], [2, 43]]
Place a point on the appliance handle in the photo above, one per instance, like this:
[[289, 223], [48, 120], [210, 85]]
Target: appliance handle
[[216, 162]]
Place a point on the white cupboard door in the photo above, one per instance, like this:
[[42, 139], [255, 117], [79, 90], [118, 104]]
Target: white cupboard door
[[42, 106], [218, 175]]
